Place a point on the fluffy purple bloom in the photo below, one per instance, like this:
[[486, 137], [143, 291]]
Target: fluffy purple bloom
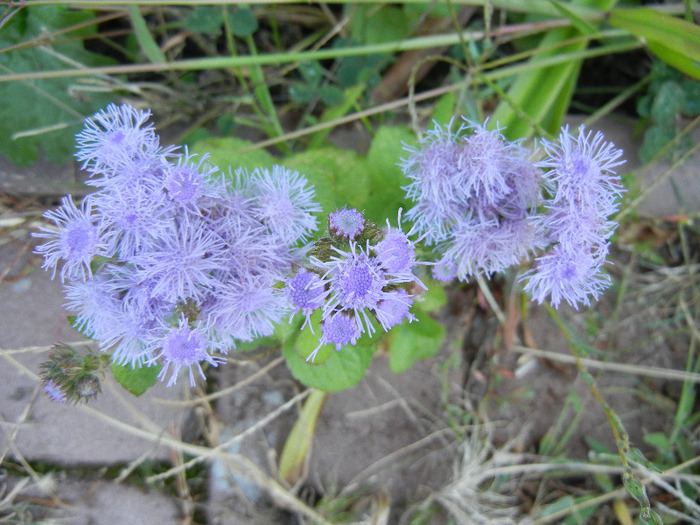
[[187, 183], [582, 168], [489, 246], [133, 221], [184, 346], [248, 248], [285, 203], [585, 190], [77, 241], [245, 308], [92, 302], [339, 329], [445, 269], [167, 262], [182, 262], [358, 285], [394, 308], [570, 275], [475, 195], [127, 334], [346, 223], [115, 137]]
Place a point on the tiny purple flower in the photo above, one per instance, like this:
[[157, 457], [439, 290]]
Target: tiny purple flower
[[346, 223], [77, 241], [285, 203], [394, 308], [561, 274], [184, 347], [182, 261], [339, 329], [115, 137], [307, 292], [245, 308], [444, 270], [188, 182]]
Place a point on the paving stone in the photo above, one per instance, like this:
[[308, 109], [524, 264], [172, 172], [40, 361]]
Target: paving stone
[[38, 428], [60, 499]]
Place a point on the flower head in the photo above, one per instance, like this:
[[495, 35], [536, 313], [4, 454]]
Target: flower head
[[184, 347], [114, 137], [54, 391], [339, 329], [77, 241], [188, 182], [346, 223], [570, 275], [585, 190], [284, 203], [307, 292]]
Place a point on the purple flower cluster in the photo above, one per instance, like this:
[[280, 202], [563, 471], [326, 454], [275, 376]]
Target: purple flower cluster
[[168, 260], [475, 197], [357, 275], [485, 206], [584, 191]]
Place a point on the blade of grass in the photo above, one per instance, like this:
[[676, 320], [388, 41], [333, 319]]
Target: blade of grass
[[143, 36], [673, 40], [544, 94], [223, 62]]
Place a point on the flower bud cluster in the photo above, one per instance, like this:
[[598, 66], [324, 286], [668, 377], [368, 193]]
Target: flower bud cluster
[[357, 276], [71, 377], [169, 260]]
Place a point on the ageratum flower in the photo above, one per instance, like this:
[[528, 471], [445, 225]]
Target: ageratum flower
[[475, 196], [585, 191], [285, 203], [355, 285], [76, 242], [184, 346], [346, 223], [114, 138], [167, 262], [188, 182]]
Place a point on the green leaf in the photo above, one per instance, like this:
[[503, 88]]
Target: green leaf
[[691, 90], [136, 380], [44, 115], [433, 299], [331, 370], [667, 103], [655, 139], [659, 440], [579, 23], [296, 448], [420, 339], [339, 176], [386, 177], [204, 19], [143, 36], [371, 24], [445, 109], [243, 22], [673, 40], [225, 153], [636, 490]]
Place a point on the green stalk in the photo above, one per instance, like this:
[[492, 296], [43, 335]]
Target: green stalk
[[543, 97]]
